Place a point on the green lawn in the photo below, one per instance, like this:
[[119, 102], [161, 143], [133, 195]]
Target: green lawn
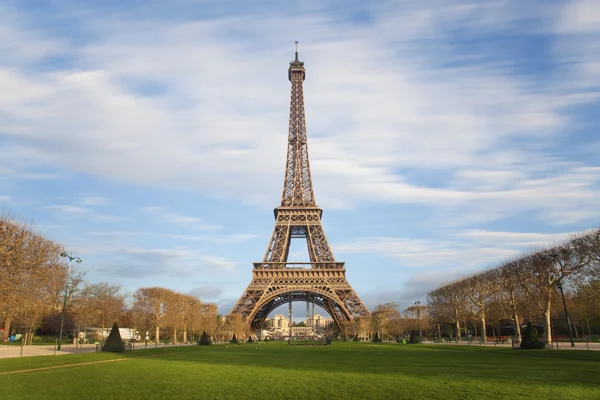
[[340, 371]]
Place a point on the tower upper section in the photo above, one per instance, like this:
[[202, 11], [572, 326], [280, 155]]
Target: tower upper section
[[297, 186]]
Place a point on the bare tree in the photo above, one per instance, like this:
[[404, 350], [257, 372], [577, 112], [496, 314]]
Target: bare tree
[[153, 299], [478, 289]]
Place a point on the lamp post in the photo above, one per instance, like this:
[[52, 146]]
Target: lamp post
[[554, 255], [559, 286], [419, 317], [64, 309]]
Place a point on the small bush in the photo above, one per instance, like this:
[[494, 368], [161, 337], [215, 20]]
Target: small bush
[[113, 343], [356, 339], [376, 339], [204, 340], [531, 339], [414, 338], [234, 340], [250, 340]]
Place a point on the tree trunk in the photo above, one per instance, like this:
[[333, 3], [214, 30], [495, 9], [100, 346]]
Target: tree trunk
[[516, 319], [483, 326], [457, 330], [440, 332], [587, 321], [184, 336], [174, 336], [6, 332], [157, 338], [548, 327], [576, 331]]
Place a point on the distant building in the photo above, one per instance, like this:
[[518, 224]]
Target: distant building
[[280, 327], [319, 321]]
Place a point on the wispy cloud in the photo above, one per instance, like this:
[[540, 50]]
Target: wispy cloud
[[165, 215], [475, 112], [68, 209], [419, 113], [94, 201]]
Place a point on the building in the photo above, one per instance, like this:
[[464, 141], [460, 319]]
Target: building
[[319, 321]]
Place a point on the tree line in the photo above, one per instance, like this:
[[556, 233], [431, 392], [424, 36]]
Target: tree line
[[33, 280], [525, 288]]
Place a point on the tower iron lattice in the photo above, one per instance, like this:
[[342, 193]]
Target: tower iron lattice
[[275, 281]]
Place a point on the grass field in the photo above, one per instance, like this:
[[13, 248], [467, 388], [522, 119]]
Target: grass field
[[340, 371]]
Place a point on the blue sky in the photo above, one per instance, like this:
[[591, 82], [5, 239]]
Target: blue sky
[[149, 136]]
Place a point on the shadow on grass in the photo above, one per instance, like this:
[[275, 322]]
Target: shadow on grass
[[428, 362]]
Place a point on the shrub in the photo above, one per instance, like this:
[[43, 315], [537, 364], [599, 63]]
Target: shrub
[[356, 339], [531, 339], [250, 340], [414, 338], [114, 343], [204, 339], [376, 339], [234, 340]]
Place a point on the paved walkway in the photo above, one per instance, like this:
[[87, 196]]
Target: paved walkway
[[28, 351], [561, 345], [48, 350]]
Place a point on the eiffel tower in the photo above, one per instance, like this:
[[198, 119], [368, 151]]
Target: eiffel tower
[[275, 281]]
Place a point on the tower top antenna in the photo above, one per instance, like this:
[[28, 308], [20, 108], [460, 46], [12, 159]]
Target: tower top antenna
[[296, 51]]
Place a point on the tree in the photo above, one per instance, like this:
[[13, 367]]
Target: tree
[[204, 339], [586, 300], [364, 326], [435, 311], [154, 300], [543, 270], [106, 301], [478, 289], [233, 340], [114, 343], [31, 272], [531, 339], [385, 319], [511, 289], [376, 339], [208, 318], [453, 303]]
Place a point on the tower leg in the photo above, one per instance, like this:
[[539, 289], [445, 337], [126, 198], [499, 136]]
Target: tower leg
[[312, 321], [291, 321], [307, 312]]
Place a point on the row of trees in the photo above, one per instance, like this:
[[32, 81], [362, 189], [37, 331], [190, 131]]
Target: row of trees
[[389, 322], [32, 274], [525, 288], [33, 278]]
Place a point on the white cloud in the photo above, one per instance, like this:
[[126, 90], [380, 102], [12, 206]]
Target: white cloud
[[218, 263], [204, 127], [420, 265], [165, 215], [427, 253], [580, 16], [94, 201], [5, 198], [457, 251], [68, 209]]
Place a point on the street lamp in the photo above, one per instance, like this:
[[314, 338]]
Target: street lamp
[[419, 317], [559, 286], [554, 255], [64, 309]]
